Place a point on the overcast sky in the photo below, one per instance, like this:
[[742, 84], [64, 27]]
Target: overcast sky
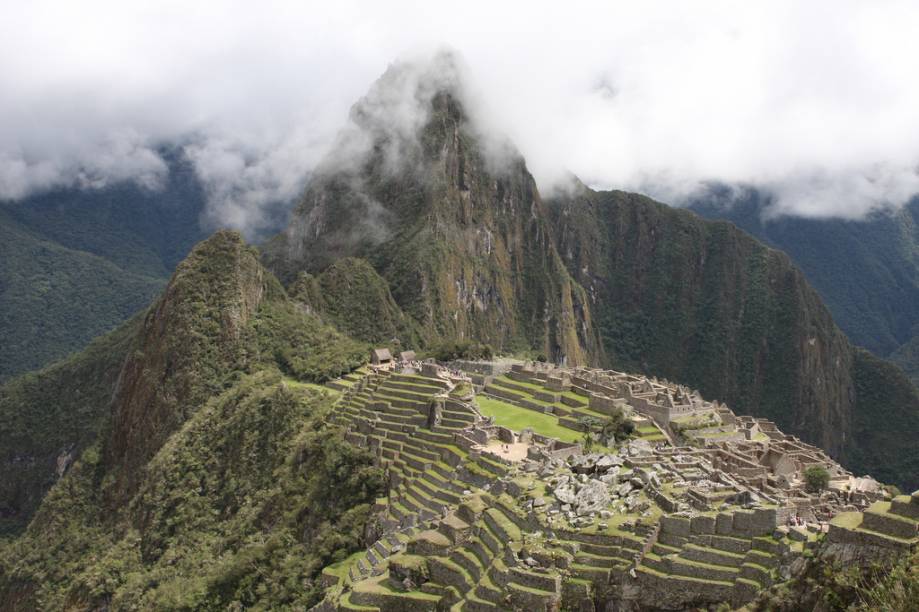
[[816, 101]]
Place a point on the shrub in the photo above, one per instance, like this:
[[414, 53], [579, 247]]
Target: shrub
[[616, 426], [816, 478], [462, 349]]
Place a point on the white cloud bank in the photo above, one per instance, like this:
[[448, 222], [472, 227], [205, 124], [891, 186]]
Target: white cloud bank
[[816, 101]]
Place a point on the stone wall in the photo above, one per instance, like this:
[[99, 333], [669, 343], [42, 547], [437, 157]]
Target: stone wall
[[890, 525], [661, 592], [660, 414], [841, 535], [485, 368], [667, 504], [563, 450], [543, 582]]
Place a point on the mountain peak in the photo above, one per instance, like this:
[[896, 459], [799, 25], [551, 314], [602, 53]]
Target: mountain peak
[[401, 99], [390, 119], [451, 222]]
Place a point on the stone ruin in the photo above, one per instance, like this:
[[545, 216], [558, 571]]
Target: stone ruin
[[700, 506]]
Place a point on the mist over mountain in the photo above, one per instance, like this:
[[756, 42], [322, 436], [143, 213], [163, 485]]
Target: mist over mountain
[[730, 93], [230, 447], [385, 307], [78, 262], [459, 232]]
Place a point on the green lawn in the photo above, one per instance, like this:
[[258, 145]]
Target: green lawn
[[517, 418], [849, 520]]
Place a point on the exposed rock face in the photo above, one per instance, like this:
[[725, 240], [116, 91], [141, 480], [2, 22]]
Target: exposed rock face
[[470, 250], [593, 497], [461, 238]]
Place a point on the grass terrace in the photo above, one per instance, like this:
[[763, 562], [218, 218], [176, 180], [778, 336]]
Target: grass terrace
[[340, 569], [517, 418], [849, 520]]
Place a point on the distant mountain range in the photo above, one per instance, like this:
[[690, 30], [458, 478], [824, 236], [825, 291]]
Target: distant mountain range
[[867, 271], [75, 263]]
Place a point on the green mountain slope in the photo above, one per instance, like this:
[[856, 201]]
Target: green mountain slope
[[214, 454], [699, 301], [49, 417], [75, 263], [54, 300], [867, 271], [907, 356], [351, 295]]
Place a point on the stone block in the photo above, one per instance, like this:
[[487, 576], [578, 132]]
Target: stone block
[[743, 522], [734, 545], [703, 524], [677, 525], [908, 508], [724, 523]]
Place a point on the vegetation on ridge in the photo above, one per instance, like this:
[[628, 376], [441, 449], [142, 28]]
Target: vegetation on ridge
[[211, 464], [242, 507], [352, 296]]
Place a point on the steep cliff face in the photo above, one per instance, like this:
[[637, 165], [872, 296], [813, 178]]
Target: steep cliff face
[[460, 235], [866, 270], [703, 302]]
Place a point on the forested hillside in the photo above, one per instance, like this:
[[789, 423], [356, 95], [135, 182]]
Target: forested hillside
[[75, 263], [866, 270]]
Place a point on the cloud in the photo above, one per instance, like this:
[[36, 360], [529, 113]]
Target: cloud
[[815, 102]]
